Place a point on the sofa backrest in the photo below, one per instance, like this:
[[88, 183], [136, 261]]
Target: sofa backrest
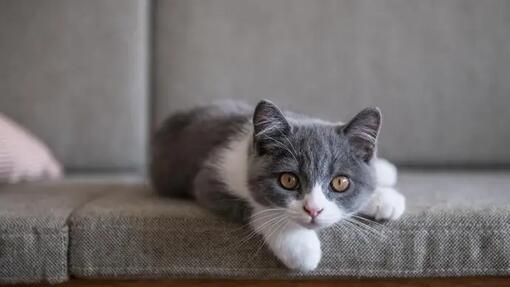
[[92, 78], [75, 73], [438, 69]]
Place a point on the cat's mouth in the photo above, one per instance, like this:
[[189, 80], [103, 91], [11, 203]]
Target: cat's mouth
[[313, 223]]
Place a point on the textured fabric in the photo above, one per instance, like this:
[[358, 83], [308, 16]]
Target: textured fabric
[[457, 224], [33, 230], [22, 156], [74, 73], [438, 69]]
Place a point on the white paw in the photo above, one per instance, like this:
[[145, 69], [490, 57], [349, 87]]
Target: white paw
[[385, 204], [303, 258], [297, 249]]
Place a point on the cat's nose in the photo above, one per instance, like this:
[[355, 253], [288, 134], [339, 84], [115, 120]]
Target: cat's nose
[[313, 212]]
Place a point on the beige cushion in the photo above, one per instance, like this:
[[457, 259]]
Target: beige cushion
[[23, 157], [34, 234], [456, 224]]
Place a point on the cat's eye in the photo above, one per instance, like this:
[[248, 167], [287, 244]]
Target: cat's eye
[[289, 180], [340, 183]]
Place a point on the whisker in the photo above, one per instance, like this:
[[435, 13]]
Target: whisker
[[367, 237], [253, 232], [357, 228], [368, 227], [275, 227], [265, 217], [246, 228], [266, 210], [282, 145], [363, 228], [343, 227], [368, 220], [269, 222]]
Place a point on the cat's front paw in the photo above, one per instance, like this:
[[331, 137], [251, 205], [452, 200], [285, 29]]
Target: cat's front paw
[[298, 249], [385, 204], [304, 257]]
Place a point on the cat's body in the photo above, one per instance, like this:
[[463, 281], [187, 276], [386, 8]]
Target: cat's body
[[233, 161]]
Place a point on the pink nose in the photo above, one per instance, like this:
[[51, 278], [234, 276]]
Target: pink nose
[[313, 212]]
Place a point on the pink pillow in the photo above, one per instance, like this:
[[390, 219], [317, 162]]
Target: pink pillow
[[23, 157]]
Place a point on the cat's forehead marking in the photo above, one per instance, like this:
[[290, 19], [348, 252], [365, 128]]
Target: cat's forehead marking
[[319, 150]]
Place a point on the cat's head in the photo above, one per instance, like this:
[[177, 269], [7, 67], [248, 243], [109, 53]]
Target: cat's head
[[315, 173]]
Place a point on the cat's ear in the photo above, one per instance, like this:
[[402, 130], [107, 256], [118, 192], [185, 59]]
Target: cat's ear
[[269, 123], [362, 132]]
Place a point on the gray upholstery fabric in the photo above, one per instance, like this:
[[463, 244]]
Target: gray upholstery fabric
[[34, 235], [457, 225], [74, 73], [33, 229], [439, 69]]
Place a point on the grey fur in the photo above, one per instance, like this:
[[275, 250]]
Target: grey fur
[[212, 193], [313, 150], [316, 152], [186, 139]]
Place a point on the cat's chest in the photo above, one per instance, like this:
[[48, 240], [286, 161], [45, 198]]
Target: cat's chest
[[231, 162]]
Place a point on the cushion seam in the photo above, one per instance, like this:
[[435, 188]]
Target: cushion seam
[[495, 229], [80, 268]]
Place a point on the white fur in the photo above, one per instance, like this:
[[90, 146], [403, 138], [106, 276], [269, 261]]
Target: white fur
[[316, 199], [232, 163], [297, 247], [385, 171], [386, 202]]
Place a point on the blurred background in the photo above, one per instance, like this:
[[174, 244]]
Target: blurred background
[[93, 78]]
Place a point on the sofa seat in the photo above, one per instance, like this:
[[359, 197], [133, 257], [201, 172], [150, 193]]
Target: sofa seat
[[457, 224], [34, 231]]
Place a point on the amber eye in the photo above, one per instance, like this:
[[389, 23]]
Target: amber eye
[[289, 181], [340, 183]]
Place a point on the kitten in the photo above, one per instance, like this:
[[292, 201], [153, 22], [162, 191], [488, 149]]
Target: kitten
[[285, 174]]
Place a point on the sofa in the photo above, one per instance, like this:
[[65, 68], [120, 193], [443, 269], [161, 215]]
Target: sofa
[[94, 79]]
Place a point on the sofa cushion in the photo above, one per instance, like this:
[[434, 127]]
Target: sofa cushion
[[33, 226], [457, 224]]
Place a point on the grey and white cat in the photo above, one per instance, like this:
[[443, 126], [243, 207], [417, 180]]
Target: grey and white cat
[[284, 174]]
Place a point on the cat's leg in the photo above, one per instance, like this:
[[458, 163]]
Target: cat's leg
[[297, 247], [386, 203]]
